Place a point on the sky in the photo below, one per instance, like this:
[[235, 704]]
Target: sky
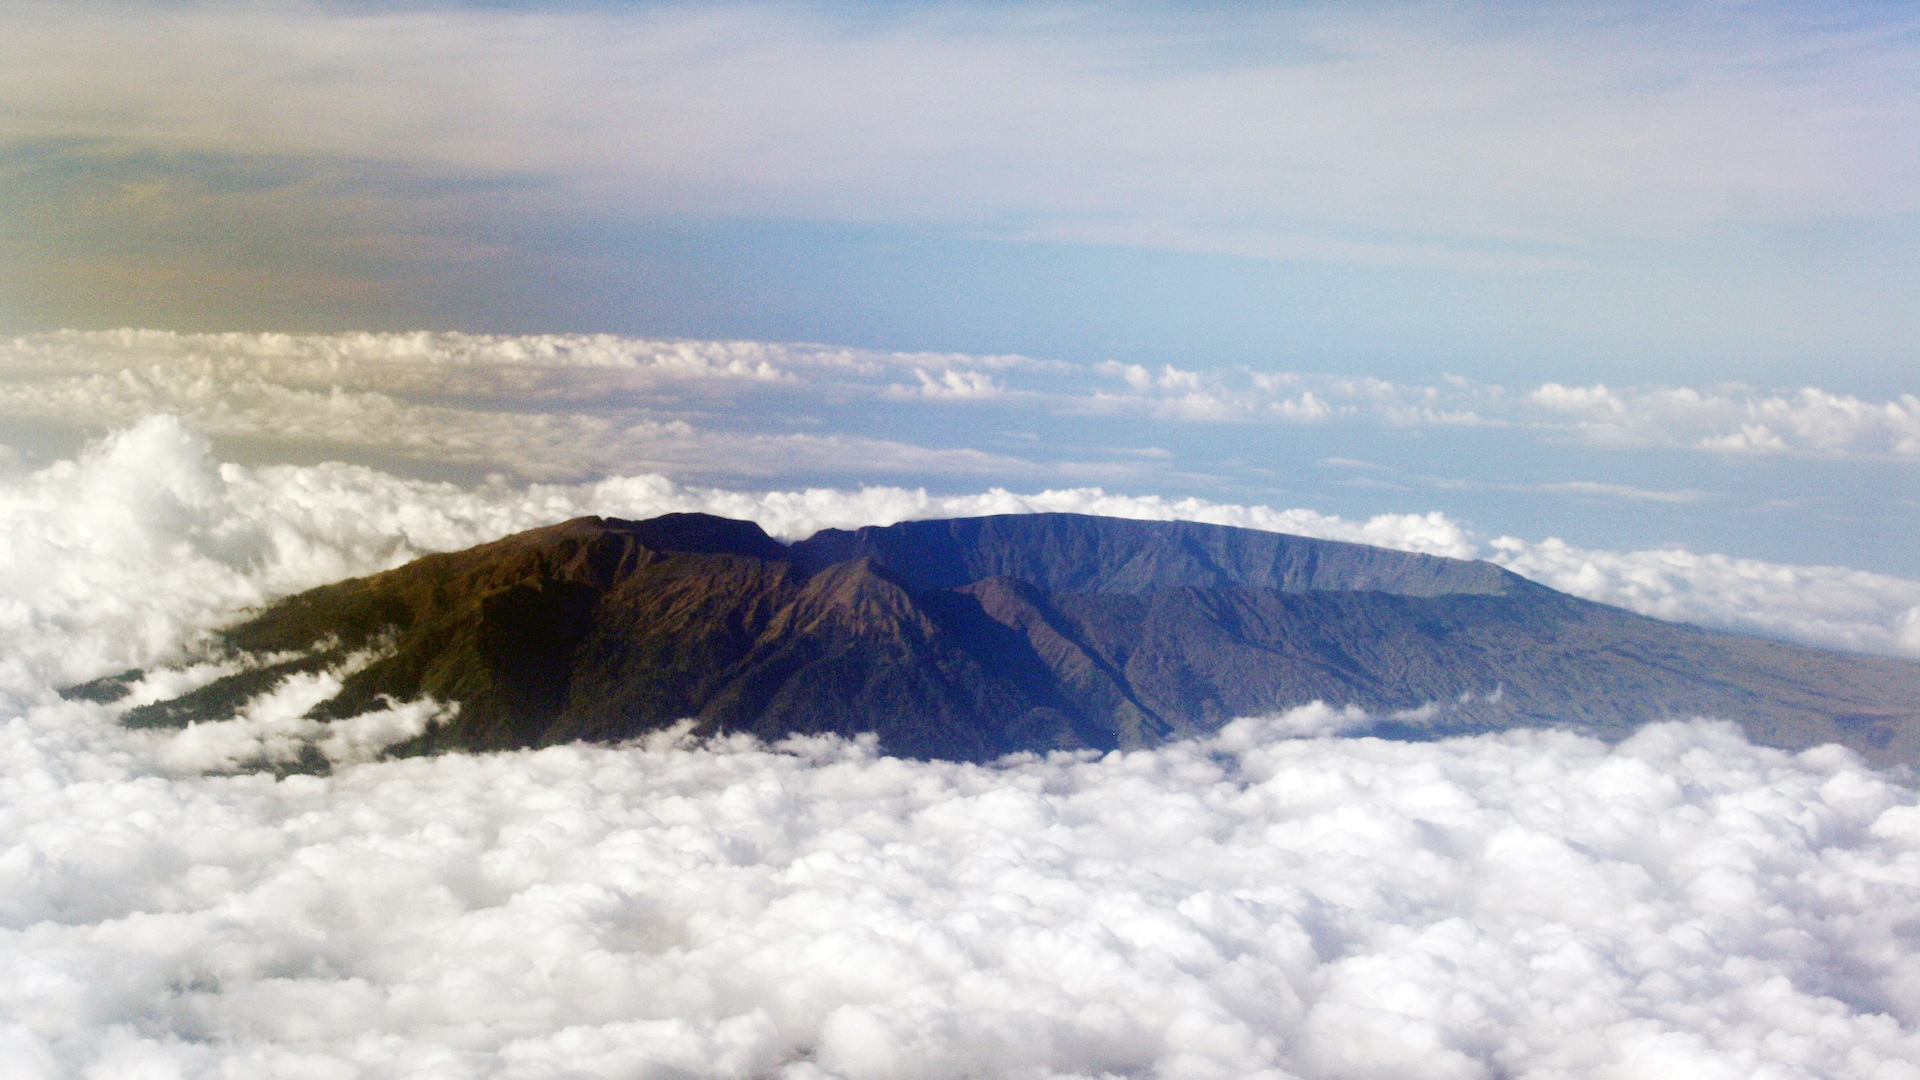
[[1637, 192], [1700, 219], [1617, 296]]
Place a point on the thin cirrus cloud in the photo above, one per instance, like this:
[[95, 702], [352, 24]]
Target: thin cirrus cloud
[[1665, 120], [344, 155]]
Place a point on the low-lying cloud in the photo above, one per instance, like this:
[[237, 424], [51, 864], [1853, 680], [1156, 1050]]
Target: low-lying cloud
[[1272, 901], [1829, 606], [571, 407], [1808, 423], [1250, 905]]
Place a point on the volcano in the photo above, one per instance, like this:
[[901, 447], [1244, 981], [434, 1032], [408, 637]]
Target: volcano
[[972, 638]]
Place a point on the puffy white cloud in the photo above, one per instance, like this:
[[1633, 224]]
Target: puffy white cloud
[[1268, 902], [1807, 423], [1829, 606], [952, 384], [1252, 905], [570, 407], [90, 543], [1810, 422], [538, 441]]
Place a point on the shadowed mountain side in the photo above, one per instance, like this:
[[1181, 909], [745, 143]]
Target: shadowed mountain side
[[581, 630], [604, 629]]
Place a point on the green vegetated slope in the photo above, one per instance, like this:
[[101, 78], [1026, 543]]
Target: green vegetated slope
[[975, 637]]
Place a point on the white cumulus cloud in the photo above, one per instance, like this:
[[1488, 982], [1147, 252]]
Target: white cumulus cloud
[[1830, 606], [573, 407], [1809, 422], [1251, 905]]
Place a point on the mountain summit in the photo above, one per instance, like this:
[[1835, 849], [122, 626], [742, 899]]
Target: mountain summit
[[975, 637]]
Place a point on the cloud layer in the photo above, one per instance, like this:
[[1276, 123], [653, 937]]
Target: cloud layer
[[1270, 902], [1254, 905], [572, 407]]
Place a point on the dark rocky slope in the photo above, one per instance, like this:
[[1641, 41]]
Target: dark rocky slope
[[974, 637]]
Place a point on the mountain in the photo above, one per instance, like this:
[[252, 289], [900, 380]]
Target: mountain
[[975, 637]]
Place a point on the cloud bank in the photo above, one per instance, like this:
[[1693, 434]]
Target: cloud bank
[[572, 407], [1269, 902], [1250, 906]]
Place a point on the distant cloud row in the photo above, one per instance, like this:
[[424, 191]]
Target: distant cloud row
[[570, 407]]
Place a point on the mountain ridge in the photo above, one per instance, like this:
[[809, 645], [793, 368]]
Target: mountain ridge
[[973, 637]]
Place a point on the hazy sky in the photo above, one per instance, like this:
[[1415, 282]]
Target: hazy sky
[[1675, 193], [1635, 275]]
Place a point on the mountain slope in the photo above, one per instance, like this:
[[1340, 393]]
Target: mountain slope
[[1079, 553], [975, 637]]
